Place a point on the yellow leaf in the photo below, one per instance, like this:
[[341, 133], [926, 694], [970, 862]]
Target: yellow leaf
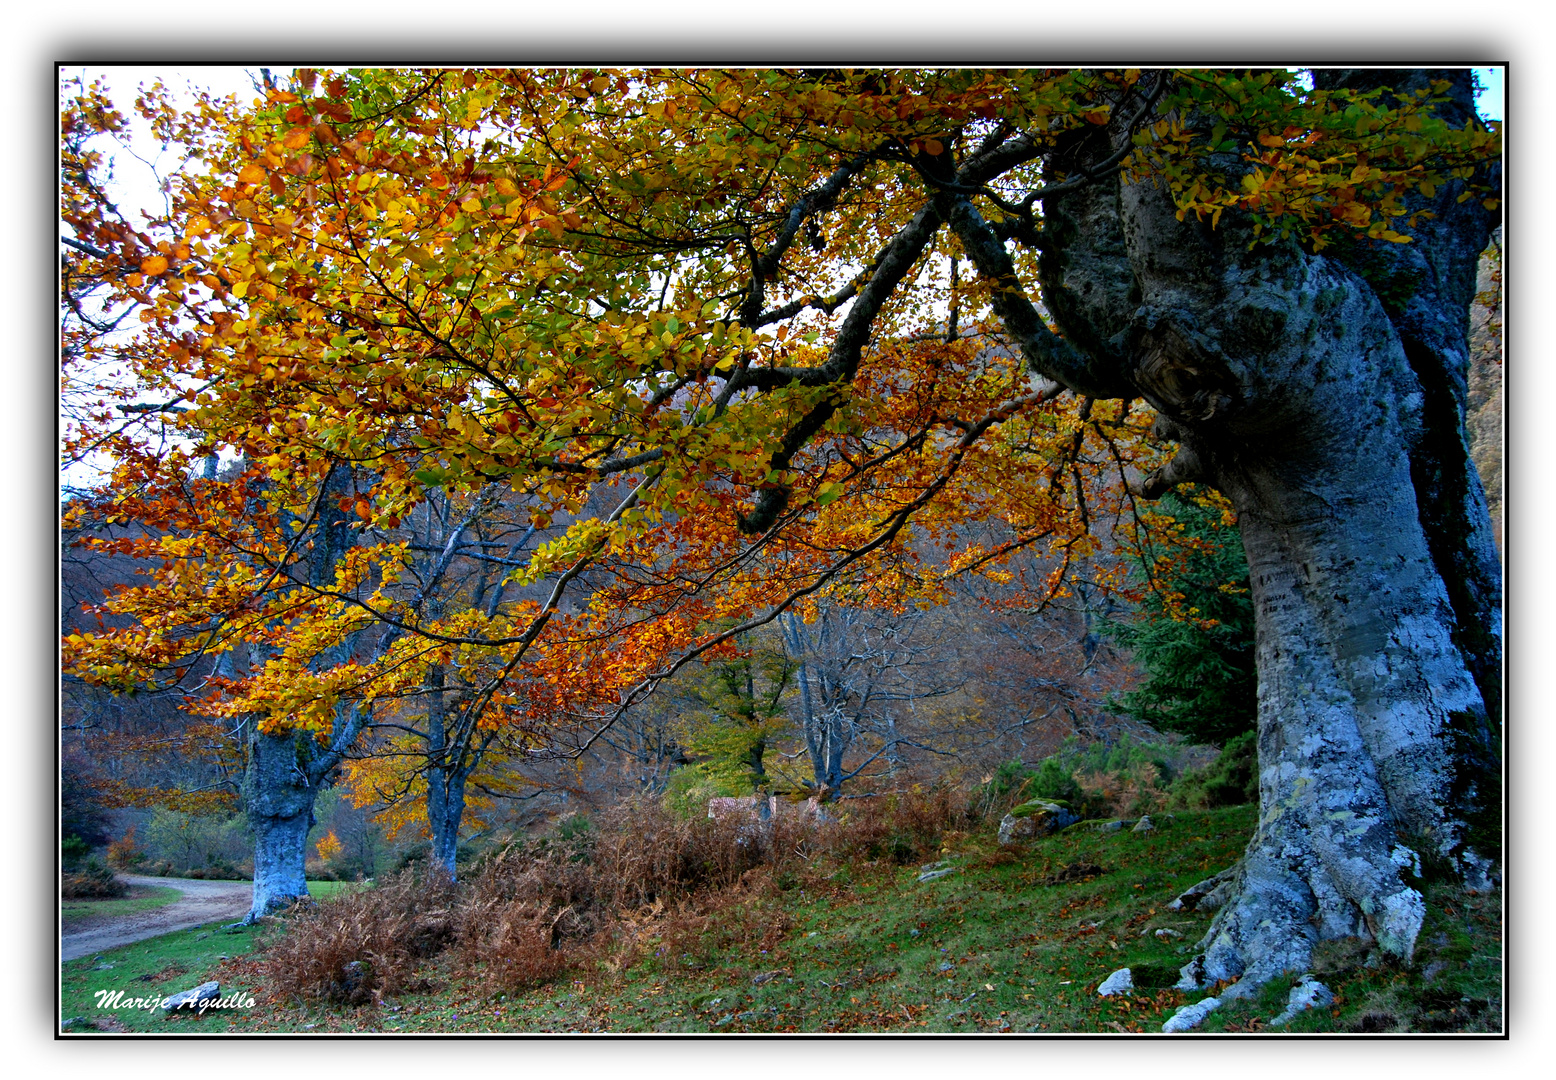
[[153, 266], [252, 174]]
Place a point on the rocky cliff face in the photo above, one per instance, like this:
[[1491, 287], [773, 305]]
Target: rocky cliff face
[[1485, 380]]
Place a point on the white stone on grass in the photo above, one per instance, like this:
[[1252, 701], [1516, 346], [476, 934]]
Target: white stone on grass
[[1191, 1016], [1309, 993], [1120, 982]]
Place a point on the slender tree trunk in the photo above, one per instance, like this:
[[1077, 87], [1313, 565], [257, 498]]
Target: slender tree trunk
[[837, 743], [445, 783], [445, 809]]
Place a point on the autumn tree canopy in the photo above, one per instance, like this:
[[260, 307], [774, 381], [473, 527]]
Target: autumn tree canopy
[[732, 342]]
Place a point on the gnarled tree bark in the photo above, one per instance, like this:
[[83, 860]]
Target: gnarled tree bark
[[1330, 411]]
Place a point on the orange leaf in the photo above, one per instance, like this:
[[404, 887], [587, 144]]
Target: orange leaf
[[252, 173], [153, 266]]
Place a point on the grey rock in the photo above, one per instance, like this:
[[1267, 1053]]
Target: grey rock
[[1144, 825], [933, 875], [1013, 829], [1120, 982], [1166, 933], [103, 967], [207, 992], [1207, 895], [1036, 818], [1191, 1016], [764, 977], [1309, 993], [946, 965]]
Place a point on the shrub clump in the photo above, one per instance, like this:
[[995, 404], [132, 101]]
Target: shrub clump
[[359, 947], [539, 907], [1232, 779], [89, 879]]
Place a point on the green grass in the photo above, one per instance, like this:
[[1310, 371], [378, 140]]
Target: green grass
[[161, 966], [154, 896], [861, 948], [328, 890], [153, 968], [1010, 942]]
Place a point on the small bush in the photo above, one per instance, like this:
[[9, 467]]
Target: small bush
[[90, 880], [902, 827], [1054, 782], [1004, 788], [1232, 779], [73, 849], [125, 851]]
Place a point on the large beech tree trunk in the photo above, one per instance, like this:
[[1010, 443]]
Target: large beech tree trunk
[[278, 795], [1334, 423], [1363, 695]]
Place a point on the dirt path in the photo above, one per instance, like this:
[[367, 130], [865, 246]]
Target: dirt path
[[202, 902]]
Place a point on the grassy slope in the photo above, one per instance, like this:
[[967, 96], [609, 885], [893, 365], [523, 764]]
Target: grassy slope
[[1005, 943]]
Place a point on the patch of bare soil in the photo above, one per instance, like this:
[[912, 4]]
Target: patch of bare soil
[[202, 902]]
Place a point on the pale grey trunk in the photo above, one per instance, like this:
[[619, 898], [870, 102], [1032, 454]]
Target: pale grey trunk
[[445, 794], [1335, 427], [445, 809], [278, 798], [1288, 388], [824, 728], [284, 771]]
